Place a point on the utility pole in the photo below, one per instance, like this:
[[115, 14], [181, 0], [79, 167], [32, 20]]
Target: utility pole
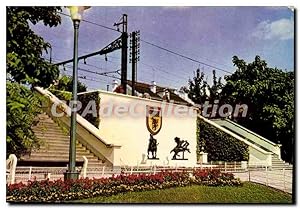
[[124, 38], [134, 56], [119, 43]]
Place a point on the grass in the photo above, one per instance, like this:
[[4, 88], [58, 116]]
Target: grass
[[248, 193]]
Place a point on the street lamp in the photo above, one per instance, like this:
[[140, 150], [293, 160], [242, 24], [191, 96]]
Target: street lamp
[[76, 13]]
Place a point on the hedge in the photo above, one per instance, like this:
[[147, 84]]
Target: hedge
[[219, 145], [84, 99], [59, 190]]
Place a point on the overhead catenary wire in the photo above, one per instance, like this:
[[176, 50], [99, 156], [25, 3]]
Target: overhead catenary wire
[[160, 47], [165, 42], [97, 73], [157, 46], [93, 23], [85, 77], [184, 56]]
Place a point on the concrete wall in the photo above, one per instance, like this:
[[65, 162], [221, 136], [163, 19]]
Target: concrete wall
[[131, 133], [257, 158]]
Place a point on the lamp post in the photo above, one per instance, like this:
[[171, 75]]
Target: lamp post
[[76, 15]]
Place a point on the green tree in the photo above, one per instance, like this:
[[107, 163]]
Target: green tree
[[24, 62], [269, 94], [22, 107], [216, 88], [197, 88], [65, 83], [25, 65]]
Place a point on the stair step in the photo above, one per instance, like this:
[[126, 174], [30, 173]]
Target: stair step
[[50, 133], [57, 158], [61, 152], [54, 155], [53, 137], [55, 140], [46, 126], [60, 148], [55, 145]]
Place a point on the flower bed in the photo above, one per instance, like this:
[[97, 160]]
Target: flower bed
[[59, 190], [215, 178]]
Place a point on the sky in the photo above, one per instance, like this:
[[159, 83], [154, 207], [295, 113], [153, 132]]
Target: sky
[[211, 35]]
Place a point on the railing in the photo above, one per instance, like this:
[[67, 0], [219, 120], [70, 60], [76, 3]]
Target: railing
[[281, 179]]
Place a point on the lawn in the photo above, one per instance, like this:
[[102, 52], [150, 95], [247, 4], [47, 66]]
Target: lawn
[[248, 193]]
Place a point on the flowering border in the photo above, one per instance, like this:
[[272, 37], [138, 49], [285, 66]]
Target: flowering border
[[59, 190]]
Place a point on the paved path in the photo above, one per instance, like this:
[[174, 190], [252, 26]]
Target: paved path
[[273, 178]]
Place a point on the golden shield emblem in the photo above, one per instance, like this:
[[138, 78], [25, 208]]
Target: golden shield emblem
[[153, 119]]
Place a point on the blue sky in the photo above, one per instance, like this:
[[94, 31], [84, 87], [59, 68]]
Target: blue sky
[[209, 34]]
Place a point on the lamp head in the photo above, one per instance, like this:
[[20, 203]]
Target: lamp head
[[76, 12]]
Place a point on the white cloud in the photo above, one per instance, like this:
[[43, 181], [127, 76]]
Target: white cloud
[[282, 29]]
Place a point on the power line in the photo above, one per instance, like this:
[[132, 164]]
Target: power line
[[97, 73], [83, 76], [160, 69], [93, 23], [100, 68], [163, 41], [89, 71], [162, 48], [104, 73], [184, 56]]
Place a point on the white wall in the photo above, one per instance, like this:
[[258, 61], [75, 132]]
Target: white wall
[[132, 134], [258, 158]]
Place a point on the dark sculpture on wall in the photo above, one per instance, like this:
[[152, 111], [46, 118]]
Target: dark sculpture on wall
[[152, 147], [182, 146]]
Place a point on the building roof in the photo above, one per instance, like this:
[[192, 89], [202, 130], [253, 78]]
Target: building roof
[[143, 88]]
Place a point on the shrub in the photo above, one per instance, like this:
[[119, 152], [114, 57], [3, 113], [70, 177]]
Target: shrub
[[59, 190], [84, 99]]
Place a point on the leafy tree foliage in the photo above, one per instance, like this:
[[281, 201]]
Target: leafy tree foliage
[[22, 107], [216, 88], [269, 94], [24, 47], [65, 83], [200, 91], [25, 65], [197, 88]]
